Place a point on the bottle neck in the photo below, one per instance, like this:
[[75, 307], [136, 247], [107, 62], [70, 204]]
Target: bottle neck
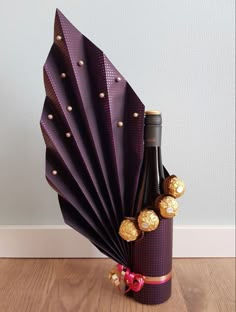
[[153, 173], [152, 131]]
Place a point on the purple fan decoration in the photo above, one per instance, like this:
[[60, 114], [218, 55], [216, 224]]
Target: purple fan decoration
[[92, 123]]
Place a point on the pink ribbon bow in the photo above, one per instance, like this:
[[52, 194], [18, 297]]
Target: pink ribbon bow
[[134, 281]]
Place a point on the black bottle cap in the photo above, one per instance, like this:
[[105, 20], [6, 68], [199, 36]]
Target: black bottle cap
[[153, 118]]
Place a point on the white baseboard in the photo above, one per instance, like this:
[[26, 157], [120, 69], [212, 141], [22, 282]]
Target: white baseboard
[[63, 242]]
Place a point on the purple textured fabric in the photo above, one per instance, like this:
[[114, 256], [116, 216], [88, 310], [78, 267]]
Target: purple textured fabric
[[93, 164], [152, 256]]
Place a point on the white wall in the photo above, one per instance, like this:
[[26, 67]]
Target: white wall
[[178, 56]]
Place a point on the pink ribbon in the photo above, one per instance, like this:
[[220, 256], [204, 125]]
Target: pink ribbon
[[134, 281]]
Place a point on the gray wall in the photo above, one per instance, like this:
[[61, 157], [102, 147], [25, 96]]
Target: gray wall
[[177, 55]]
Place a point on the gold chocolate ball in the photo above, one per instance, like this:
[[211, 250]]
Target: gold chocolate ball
[[168, 206], [128, 230], [148, 220], [114, 279], [174, 186]]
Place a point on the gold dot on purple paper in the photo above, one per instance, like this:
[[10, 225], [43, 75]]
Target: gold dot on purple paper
[[80, 63], [102, 95], [58, 38]]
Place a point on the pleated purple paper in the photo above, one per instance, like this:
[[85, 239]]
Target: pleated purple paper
[[92, 123], [91, 161]]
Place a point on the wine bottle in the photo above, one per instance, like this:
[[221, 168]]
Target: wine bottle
[[152, 254]]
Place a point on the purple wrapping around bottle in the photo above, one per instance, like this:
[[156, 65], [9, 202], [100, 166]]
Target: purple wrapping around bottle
[[152, 256]]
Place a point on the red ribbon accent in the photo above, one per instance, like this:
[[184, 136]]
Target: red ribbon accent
[[134, 281]]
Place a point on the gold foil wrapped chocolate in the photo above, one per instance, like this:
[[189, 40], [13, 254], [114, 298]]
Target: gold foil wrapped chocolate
[[128, 230], [148, 220], [113, 277], [174, 186], [167, 205]]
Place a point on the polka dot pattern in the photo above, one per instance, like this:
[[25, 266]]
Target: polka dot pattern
[[152, 256]]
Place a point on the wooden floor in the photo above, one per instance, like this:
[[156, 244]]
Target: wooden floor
[[55, 285]]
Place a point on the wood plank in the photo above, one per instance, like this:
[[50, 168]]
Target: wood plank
[[207, 284], [48, 285]]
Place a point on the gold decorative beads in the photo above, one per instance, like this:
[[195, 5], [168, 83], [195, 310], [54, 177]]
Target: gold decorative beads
[[68, 134], [102, 95], [80, 63], [148, 220], [58, 38]]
